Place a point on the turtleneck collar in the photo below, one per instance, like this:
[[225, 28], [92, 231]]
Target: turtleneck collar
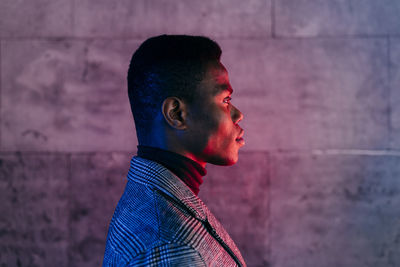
[[189, 171]]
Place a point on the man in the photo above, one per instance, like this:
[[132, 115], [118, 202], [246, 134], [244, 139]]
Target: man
[[180, 98]]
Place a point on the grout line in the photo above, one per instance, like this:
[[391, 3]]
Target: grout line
[[269, 228], [73, 38], [330, 151], [72, 17], [255, 37], [359, 152], [1, 96], [389, 91], [344, 36], [66, 152], [69, 238], [273, 20]]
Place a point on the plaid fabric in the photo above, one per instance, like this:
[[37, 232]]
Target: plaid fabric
[[160, 222]]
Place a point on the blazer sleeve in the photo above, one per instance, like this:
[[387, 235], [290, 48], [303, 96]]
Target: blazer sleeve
[[169, 255]]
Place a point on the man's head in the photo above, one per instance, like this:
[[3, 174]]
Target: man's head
[[180, 99]]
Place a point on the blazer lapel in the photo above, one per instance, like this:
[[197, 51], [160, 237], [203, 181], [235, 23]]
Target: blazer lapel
[[224, 236]]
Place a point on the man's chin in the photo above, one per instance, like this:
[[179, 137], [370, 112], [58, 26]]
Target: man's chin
[[224, 161]]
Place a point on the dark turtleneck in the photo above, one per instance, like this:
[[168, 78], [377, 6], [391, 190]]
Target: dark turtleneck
[[189, 171]]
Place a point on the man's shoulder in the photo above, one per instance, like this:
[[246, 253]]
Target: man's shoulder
[[134, 225], [147, 207], [144, 218]]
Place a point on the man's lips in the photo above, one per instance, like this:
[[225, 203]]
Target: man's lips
[[240, 137]]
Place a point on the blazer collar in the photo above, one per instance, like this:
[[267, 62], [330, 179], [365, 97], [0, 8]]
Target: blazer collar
[[152, 173]]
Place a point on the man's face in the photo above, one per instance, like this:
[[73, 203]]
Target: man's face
[[213, 120]]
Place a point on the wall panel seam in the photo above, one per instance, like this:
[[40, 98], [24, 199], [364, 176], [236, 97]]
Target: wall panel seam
[[389, 92], [269, 206], [1, 95], [69, 177], [273, 21]]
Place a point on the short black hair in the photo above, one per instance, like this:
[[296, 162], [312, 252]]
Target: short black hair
[[164, 66]]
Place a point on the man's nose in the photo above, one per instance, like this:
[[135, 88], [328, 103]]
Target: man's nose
[[237, 116]]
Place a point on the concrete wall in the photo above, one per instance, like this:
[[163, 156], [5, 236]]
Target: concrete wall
[[318, 183]]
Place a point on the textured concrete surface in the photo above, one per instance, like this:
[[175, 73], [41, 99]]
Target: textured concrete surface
[[239, 197], [311, 93], [308, 18], [97, 183], [317, 183], [335, 210], [39, 18], [34, 210], [152, 17], [66, 96]]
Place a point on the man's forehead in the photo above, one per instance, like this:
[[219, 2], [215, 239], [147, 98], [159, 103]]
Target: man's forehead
[[218, 75]]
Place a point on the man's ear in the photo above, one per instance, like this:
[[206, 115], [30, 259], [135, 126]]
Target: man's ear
[[174, 111]]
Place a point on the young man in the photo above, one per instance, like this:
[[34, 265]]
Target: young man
[[180, 98]]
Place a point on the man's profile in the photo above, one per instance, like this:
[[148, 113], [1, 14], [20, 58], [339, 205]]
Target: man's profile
[[180, 95]]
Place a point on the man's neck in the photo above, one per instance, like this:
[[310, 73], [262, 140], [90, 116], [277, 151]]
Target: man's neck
[[176, 149], [189, 171]]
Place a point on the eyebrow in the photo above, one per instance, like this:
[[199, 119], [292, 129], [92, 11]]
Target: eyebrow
[[224, 87]]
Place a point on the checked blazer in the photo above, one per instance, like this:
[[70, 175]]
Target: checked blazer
[[159, 221]]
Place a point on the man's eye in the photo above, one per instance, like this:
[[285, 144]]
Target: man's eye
[[227, 99]]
